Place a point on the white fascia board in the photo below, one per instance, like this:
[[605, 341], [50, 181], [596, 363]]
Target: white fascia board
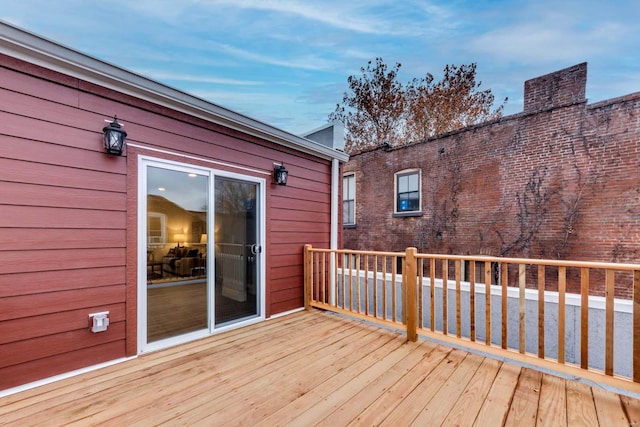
[[35, 49]]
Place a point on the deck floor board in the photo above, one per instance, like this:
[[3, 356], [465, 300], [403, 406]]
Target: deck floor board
[[315, 368]]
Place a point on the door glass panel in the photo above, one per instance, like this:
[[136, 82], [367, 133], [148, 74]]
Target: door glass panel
[[176, 273], [236, 250]]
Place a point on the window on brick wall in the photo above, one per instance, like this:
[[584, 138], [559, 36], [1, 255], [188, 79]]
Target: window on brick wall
[[349, 199], [407, 191]]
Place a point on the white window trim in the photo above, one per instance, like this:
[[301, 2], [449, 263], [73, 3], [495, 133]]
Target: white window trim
[[395, 191], [353, 174]]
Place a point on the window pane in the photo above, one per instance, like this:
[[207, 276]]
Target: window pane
[[413, 182], [345, 188], [348, 187], [348, 212], [403, 184], [403, 202], [348, 199], [176, 271], [408, 201], [414, 201]]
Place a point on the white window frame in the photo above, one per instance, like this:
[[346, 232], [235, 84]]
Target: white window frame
[[395, 191], [162, 238], [344, 193]]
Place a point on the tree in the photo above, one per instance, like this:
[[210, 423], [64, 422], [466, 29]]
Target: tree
[[373, 111], [378, 109], [453, 103]]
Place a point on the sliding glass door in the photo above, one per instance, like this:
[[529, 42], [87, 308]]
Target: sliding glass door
[[201, 233], [176, 274], [237, 250]]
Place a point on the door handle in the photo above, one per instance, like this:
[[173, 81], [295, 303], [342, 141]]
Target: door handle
[[256, 249]]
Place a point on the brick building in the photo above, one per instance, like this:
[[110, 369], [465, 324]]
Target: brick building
[[560, 180]]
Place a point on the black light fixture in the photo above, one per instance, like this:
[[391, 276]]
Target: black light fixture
[[114, 137], [280, 174]]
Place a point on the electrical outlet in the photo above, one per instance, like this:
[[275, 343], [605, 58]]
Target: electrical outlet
[[98, 322]]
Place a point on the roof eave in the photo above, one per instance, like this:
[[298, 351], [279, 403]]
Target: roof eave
[[32, 48]]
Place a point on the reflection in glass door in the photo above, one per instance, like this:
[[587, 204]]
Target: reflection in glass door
[[237, 250], [176, 273]]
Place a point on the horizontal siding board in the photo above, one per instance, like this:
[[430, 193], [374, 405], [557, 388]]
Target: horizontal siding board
[[54, 238], [300, 182], [223, 148], [323, 197], [38, 369], [46, 217], [288, 204], [55, 323], [21, 104], [52, 345], [29, 172], [310, 175], [60, 259], [53, 302], [55, 154], [285, 260], [39, 195], [287, 272], [33, 129], [286, 295], [39, 88], [293, 226], [281, 307], [295, 282], [299, 237], [237, 152], [286, 249], [298, 215], [62, 280]]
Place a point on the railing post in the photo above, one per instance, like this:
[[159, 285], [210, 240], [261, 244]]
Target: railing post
[[411, 306], [307, 277]]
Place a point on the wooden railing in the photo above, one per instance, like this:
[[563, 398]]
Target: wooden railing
[[508, 307]]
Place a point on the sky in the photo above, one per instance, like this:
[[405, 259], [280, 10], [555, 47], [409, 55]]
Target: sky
[[286, 62]]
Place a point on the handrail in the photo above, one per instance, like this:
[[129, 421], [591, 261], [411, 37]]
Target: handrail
[[482, 258], [451, 297]]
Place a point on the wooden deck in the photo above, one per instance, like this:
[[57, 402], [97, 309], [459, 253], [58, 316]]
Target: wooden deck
[[316, 368]]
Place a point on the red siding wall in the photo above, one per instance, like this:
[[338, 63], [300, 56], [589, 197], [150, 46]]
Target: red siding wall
[[68, 215]]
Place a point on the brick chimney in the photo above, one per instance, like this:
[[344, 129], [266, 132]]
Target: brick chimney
[[563, 87]]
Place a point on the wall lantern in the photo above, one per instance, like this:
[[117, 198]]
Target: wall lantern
[[114, 137], [280, 174]]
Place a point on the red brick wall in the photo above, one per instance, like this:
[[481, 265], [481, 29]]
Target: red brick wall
[[559, 183], [564, 87]]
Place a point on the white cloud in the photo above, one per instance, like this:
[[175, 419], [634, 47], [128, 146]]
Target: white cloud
[[548, 31], [381, 17], [307, 61], [192, 78], [326, 12], [531, 43]]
